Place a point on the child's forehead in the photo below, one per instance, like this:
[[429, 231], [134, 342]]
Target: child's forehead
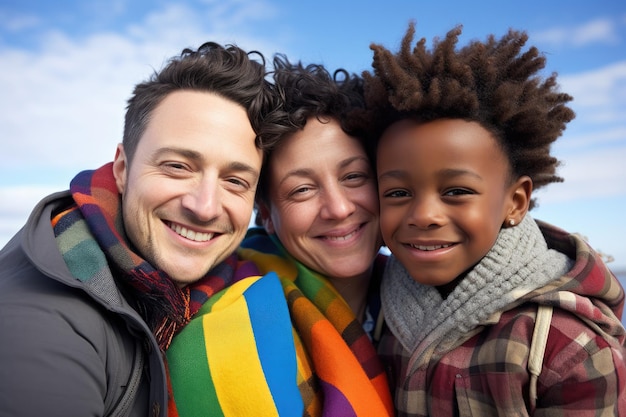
[[444, 142], [444, 133]]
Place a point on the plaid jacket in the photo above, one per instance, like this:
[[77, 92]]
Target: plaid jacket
[[485, 372]]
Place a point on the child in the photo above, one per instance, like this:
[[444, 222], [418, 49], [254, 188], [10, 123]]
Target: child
[[464, 138]]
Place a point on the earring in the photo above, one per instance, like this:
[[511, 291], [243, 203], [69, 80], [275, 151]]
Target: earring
[[511, 222]]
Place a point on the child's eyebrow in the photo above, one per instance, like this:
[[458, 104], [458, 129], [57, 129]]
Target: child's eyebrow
[[444, 173], [454, 172], [393, 174]]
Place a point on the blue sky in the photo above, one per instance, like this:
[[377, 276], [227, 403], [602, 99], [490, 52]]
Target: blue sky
[[68, 67]]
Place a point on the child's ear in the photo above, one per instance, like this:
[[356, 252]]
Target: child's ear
[[519, 201], [266, 219]]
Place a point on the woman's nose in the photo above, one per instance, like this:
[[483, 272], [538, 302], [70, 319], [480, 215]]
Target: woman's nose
[[337, 204]]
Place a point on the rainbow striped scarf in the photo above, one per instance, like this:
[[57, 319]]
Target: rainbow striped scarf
[[236, 357], [339, 373]]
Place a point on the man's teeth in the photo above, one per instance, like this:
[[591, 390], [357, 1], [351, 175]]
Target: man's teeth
[[431, 247], [190, 234]]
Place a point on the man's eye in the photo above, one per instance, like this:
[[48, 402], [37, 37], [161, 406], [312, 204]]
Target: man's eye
[[175, 167], [238, 182]]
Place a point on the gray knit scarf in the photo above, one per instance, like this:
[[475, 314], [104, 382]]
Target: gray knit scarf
[[518, 263]]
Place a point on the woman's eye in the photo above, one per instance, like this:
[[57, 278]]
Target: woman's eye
[[355, 175], [356, 179], [300, 193], [300, 190]]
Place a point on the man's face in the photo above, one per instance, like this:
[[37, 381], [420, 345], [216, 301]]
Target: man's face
[[188, 193]]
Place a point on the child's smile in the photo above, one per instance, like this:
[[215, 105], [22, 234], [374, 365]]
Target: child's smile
[[445, 191]]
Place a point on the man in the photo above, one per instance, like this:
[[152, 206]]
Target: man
[[97, 283]]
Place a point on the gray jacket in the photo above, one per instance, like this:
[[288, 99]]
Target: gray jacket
[[69, 348]]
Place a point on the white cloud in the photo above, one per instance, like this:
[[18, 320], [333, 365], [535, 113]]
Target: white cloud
[[604, 86], [600, 105], [601, 30], [593, 174], [62, 105], [17, 22], [63, 102], [16, 204], [14, 199], [571, 143], [593, 147], [595, 31]]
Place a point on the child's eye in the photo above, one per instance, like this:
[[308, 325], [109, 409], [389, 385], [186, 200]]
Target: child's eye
[[396, 194], [457, 191]]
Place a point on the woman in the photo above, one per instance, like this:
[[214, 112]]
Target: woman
[[317, 201]]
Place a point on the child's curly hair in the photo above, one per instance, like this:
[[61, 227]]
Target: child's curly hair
[[493, 83]]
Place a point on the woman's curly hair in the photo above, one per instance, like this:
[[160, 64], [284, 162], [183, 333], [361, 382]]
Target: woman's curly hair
[[494, 83], [312, 91]]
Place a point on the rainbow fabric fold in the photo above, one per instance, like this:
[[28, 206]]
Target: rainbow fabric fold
[[236, 357], [339, 373]]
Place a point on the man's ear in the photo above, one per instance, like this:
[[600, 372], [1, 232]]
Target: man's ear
[[266, 219], [520, 195], [120, 168]]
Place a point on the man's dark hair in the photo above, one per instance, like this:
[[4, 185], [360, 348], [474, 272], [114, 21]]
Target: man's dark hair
[[227, 71]]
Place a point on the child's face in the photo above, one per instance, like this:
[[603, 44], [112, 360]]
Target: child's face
[[445, 191]]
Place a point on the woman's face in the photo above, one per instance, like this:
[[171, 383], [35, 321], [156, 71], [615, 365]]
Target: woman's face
[[323, 200]]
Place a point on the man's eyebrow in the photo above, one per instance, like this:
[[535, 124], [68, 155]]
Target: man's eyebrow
[[199, 157], [242, 167], [187, 153]]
